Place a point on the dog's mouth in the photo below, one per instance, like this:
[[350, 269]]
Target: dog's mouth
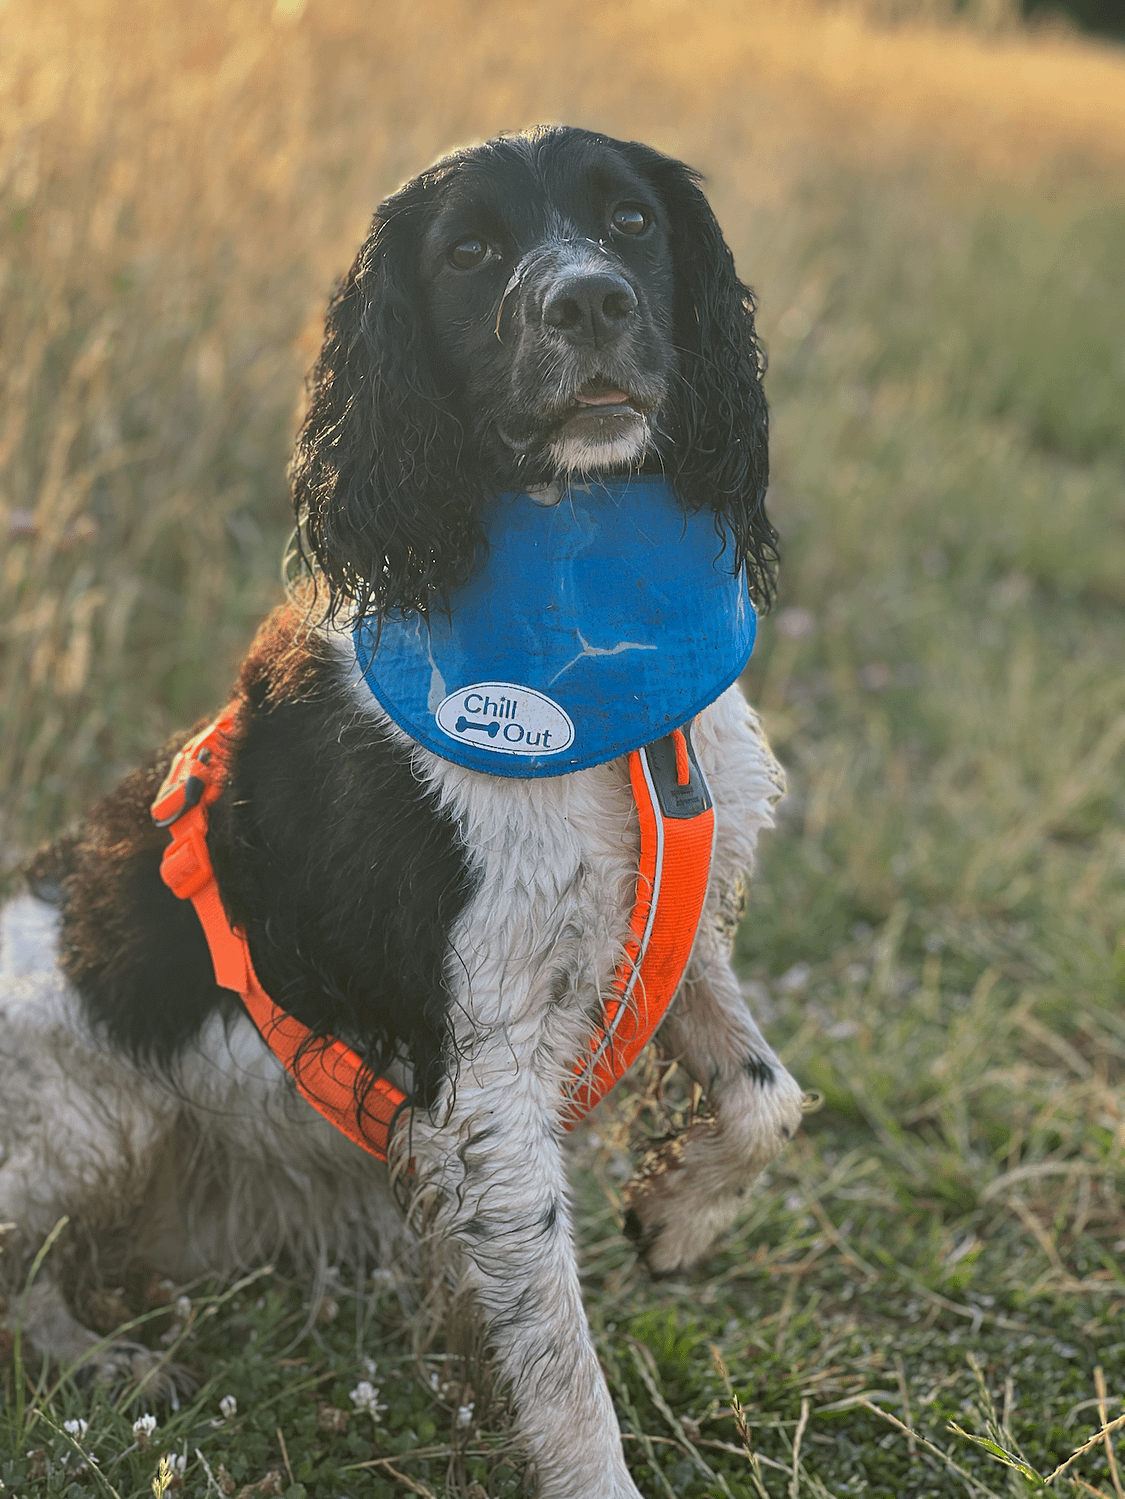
[[602, 397], [598, 421], [601, 392]]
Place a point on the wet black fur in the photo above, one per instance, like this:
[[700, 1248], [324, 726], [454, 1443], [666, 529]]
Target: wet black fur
[[135, 953], [344, 873], [399, 449], [758, 1071]]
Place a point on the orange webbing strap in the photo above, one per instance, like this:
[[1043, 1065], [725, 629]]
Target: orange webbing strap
[[677, 832], [325, 1070], [677, 836]]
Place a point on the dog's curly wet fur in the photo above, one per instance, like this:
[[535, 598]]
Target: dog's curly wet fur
[[546, 305]]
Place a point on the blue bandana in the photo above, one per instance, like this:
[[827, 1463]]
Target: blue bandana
[[594, 626]]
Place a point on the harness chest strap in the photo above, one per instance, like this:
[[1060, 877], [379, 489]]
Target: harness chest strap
[[677, 824]]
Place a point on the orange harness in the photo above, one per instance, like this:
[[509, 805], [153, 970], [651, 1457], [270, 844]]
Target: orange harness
[[677, 832]]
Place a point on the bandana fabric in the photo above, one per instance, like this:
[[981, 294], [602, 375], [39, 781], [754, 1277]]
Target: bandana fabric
[[596, 624]]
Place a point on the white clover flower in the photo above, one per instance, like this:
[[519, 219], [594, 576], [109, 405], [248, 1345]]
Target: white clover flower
[[464, 1415], [370, 1368], [76, 1428], [182, 1307], [228, 1407], [143, 1428], [365, 1397]]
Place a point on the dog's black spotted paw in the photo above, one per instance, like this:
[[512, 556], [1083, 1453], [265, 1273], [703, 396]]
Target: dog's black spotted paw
[[646, 1196]]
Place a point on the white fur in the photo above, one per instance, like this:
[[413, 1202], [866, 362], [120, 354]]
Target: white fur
[[623, 447], [228, 1166]]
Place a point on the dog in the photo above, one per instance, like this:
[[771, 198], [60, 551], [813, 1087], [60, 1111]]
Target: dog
[[549, 309]]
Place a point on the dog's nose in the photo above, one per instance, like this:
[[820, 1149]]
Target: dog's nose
[[590, 308]]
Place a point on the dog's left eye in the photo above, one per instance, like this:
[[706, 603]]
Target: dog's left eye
[[629, 219], [469, 254]]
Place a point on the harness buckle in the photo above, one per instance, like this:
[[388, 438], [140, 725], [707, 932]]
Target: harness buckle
[[196, 774], [191, 791]]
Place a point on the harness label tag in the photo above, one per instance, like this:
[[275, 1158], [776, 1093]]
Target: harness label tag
[[505, 718]]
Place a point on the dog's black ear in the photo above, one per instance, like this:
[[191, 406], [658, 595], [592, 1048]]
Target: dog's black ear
[[719, 421], [382, 504]]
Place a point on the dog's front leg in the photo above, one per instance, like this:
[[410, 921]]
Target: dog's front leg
[[689, 1190], [490, 1177]]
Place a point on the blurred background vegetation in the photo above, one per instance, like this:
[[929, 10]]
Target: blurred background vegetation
[[929, 198]]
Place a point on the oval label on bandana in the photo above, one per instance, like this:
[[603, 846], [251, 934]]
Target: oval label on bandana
[[506, 719]]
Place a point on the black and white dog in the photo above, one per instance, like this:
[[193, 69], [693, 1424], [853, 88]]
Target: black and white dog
[[544, 306]]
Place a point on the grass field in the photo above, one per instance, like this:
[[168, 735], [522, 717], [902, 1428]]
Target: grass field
[[928, 1296]]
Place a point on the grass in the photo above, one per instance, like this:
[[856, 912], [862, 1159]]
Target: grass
[[928, 1296]]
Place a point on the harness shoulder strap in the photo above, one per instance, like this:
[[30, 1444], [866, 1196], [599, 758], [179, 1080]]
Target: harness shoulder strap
[[677, 822], [330, 1076], [677, 825]]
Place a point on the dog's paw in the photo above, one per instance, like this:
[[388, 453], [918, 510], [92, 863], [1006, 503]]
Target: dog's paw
[[132, 1366], [52, 1331], [688, 1190], [668, 1219]]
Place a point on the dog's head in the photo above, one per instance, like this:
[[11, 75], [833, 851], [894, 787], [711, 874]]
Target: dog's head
[[545, 305]]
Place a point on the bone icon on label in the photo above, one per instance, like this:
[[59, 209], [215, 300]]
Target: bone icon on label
[[504, 718]]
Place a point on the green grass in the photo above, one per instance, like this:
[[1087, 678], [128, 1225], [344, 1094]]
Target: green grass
[[935, 939]]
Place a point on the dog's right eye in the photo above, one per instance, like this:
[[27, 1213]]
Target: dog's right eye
[[469, 254], [629, 219]]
